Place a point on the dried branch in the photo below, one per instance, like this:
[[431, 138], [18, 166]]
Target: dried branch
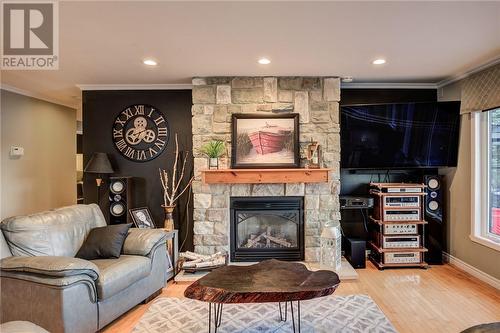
[[174, 172], [185, 188], [164, 183], [182, 172], [170, 193]]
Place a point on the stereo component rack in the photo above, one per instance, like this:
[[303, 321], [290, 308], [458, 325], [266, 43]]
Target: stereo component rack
[[397, 227]]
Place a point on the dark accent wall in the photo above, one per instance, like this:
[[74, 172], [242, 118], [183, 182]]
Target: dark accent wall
[[100, 109], [355, 182]]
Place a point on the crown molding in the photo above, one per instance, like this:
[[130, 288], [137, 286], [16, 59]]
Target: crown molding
[[181, 86], [35, 95], [395, 85], [436, 85], [463, 75]]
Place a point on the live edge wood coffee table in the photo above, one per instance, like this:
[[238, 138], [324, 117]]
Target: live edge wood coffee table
[[268, 281]]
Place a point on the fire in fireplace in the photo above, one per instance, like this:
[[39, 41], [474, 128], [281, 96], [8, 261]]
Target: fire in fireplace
[[267, 227]]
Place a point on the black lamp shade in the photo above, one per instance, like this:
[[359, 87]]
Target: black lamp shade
[[99, 163]]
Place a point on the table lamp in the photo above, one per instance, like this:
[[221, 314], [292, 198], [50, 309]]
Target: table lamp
[[99, 164]]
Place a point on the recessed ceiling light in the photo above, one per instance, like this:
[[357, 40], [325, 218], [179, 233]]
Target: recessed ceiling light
[[264, 61], [347, 79], [149, 62], [378, 61]]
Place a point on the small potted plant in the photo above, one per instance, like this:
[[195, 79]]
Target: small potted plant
[[213, 149]]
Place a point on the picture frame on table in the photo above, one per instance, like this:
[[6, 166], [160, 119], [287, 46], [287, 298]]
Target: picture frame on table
[[142, 218], [265, 141]]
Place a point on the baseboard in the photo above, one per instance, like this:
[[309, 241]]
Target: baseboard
[[463, 266]]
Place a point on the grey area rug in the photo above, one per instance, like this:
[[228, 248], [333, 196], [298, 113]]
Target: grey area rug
[[346, 314]]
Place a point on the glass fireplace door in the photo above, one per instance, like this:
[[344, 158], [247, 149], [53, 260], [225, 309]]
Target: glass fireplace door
[[267, 227], [271, 229]]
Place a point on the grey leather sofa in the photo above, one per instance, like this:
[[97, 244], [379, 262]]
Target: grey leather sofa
[[42, 282]]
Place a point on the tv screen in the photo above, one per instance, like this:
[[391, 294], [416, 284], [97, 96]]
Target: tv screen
[[391, 136]]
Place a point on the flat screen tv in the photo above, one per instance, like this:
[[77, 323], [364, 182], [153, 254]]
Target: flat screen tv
[[399, 136]]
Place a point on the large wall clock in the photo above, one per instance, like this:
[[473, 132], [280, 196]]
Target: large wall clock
[[140, 132]]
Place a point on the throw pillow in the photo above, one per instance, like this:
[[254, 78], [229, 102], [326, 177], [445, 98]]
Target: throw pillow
[[104, 242]]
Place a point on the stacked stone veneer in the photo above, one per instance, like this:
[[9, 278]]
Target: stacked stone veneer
[[215, 99]]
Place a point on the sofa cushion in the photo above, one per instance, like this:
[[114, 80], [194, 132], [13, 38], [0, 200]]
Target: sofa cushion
[[50, 266], [116, 275], [104, 242], [142, 241], [58, 232]]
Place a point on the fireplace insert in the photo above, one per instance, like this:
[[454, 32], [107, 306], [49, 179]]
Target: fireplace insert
[[266, 228]]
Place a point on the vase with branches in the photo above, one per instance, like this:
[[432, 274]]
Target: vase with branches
[[172, 186], [213, 150]]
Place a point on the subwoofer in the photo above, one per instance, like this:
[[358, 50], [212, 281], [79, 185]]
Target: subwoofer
[[120, 199], [355, 251], [433, 209]]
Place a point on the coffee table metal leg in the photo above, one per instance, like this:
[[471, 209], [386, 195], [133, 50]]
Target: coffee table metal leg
[[293, 317], [298, 314], [209, 317], [217, 316], [283, 318]]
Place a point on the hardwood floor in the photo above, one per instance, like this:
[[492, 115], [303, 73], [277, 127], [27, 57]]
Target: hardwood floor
[[440, 299]]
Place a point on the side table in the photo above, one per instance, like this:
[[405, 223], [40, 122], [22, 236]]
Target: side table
[[172, 252]]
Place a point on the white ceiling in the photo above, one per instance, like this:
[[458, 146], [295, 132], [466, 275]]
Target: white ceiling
[[105, 42]]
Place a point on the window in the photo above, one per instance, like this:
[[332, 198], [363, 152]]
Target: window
[[494, 172], [486, 178]]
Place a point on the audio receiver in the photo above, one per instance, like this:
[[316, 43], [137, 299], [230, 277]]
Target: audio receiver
[[402, 241], [402, 257], [405, 201], [401, 215], [400, 229], [404, 190]]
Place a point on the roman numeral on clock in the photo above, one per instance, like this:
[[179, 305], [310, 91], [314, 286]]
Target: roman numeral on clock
[[121, 144], [118, 133], [162, 131], [152, 152], [119, 121], [159, 120], [130, 153], [128, 114], [159, 143], [141, 155], [139, 109]]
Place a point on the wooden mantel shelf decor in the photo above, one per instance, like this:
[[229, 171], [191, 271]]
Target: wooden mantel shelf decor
[[265, 176]]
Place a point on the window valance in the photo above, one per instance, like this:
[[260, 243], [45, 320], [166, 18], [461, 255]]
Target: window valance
[[481, 91]]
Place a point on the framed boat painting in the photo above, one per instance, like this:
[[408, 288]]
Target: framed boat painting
[[265, 141]]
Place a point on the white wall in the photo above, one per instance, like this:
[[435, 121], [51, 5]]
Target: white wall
[[45, 177], [458, 182]]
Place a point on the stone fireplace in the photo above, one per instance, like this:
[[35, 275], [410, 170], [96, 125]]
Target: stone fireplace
[[215, 99], [266, 228]]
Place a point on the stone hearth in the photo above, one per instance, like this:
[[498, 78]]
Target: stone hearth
[[215, 99]]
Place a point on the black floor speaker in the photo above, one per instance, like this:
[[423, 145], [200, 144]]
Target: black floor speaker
[[355, 251], [120, 199], [433, 209]]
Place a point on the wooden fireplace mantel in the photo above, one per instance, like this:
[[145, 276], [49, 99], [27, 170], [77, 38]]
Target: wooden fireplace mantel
[[265, 176]]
